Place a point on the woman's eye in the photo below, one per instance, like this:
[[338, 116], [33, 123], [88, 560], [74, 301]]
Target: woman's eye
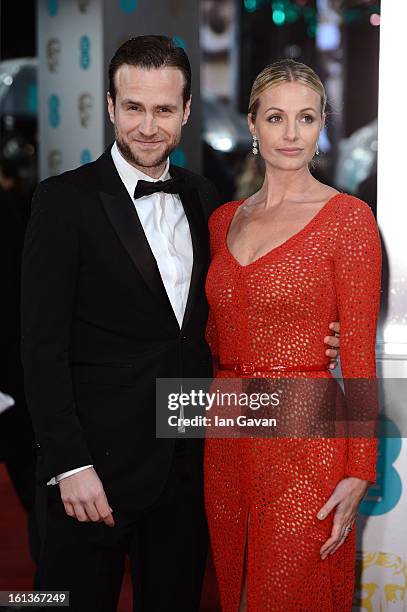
[[274, 118], [308, 118]]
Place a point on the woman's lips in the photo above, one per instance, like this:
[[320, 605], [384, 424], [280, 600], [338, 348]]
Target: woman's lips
[[290, 152]]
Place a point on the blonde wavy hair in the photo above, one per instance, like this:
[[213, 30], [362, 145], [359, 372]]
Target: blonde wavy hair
[[285, 71]]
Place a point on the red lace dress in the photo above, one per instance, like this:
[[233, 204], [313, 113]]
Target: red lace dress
[[263, 495]]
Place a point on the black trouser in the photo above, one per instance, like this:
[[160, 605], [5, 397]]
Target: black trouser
[[166, 543]]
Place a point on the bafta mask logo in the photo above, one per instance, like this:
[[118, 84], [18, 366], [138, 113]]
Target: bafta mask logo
[[83, 5], [381, 582], [53, 51], [85, 106], [54, 162]]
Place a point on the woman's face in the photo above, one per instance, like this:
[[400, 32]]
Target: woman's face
[[287, 124]]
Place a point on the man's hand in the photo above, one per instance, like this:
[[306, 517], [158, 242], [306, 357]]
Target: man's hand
[[84, 498], [346, 498], [333, 342]]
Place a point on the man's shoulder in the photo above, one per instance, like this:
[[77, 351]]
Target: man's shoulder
[[66, 193], [83, 179], [71, 188]]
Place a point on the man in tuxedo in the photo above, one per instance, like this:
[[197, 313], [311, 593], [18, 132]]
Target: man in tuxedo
[[113, 297]]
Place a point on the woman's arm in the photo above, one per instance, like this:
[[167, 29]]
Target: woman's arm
[[357, 281]]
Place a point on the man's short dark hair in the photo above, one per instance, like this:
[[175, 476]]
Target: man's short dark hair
[[151, 52]]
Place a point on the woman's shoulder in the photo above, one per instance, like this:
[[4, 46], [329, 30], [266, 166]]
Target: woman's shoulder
[[223, 213], [350, 204], [353, 214]]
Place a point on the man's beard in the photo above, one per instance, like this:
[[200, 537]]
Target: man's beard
[[134, 160]]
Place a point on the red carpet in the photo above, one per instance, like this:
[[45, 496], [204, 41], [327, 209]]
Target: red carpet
[[17, 569]]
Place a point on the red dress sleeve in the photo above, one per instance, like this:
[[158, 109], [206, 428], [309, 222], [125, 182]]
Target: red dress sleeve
[[357, 264]]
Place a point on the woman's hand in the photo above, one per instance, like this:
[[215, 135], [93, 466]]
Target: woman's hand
[[332, 342], [346, 498]]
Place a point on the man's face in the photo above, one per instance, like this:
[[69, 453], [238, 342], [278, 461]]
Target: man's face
[[148, 114]]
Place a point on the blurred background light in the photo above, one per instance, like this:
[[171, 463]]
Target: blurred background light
[[328, 36], [324, 142], [292, 13], [220, 142], [279, 17], [252, 5]]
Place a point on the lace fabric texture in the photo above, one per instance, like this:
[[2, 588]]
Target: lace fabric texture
[[263, 495]]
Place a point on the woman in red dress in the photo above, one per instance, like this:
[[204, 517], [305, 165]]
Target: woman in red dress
[[285, 262]]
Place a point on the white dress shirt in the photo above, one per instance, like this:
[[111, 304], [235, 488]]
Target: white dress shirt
[[167, 231], [166, 228]]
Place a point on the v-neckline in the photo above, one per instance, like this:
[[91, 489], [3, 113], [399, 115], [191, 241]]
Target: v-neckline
[[289, 240]]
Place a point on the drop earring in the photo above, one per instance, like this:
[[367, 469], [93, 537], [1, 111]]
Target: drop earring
[[255, 149], [317, 150]]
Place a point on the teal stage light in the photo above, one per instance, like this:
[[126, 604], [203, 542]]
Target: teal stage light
[[251, 5], [279, 17]]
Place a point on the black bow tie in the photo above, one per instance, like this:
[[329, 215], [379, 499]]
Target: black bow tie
[[145, 188]]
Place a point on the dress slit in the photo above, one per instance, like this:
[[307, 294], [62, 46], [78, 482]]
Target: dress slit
[[243, 603]]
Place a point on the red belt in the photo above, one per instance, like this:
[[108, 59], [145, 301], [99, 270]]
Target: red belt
[[250, 368]]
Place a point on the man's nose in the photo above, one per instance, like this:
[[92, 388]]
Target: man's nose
[[148, 125]]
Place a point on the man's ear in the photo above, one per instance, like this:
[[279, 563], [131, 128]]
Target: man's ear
[[110, 107], [187, 111]]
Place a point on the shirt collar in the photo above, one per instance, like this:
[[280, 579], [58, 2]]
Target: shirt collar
[[131, 175]]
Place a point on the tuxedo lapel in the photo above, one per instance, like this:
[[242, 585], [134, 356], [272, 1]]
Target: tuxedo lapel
[[198, 228], [124, 218]]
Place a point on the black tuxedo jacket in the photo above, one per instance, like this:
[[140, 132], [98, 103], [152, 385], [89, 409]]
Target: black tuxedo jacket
[[98, 328]]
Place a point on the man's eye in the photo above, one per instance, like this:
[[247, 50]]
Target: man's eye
[[135, 108], [165, 109], [274, 118]]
